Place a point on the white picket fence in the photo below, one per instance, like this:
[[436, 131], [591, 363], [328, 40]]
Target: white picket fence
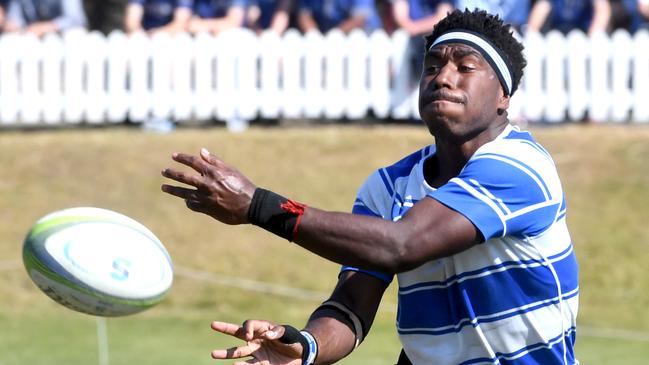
[[82, 77]]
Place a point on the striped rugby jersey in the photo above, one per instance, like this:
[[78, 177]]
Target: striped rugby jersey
[[510, 300]]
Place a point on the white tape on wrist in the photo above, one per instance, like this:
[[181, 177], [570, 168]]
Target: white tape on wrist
[[313, 348]]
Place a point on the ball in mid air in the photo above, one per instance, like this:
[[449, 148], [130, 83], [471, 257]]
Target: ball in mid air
[[97, 261]]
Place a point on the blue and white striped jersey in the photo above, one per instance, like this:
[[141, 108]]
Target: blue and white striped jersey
[[510, 300]]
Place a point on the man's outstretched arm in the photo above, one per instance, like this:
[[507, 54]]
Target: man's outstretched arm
[[428, 231]]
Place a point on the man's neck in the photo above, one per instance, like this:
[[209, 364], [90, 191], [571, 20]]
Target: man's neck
[[451, 157]]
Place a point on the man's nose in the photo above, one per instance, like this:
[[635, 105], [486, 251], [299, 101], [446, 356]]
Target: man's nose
[[446, 77]]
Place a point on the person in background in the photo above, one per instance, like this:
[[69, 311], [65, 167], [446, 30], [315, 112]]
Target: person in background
[[514, 12], [590, 16], [638, 11], [346, 15], [158, 15], [3, 18], [269, 14], [216, 16], [105, 15], [40, 17], [418, 17]]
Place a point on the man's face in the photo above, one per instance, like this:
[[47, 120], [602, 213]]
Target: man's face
[[459, 92]]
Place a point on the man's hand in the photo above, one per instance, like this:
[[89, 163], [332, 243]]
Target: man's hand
[[220, 190], [262, 344]]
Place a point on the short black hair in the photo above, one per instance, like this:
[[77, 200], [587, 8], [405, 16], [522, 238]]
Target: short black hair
[[492, 27]]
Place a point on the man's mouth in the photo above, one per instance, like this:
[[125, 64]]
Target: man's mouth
[[442, 95]]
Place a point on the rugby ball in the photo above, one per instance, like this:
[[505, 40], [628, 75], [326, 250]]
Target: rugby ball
[[97, 261]]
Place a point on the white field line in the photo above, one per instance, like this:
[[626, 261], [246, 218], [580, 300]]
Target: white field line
[[252, 285], [317, 296]]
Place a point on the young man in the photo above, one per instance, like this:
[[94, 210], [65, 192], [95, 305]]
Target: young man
[[590, 16], [158, 15], [40, 17], [216, 16], [638, 11], [346, 15], [269, 14], [514, 12], [474, 227], [418, 17]]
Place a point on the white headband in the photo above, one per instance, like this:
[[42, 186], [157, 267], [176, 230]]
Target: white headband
[[486, 49]]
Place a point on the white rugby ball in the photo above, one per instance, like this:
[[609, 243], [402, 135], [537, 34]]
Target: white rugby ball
[[97, 261]]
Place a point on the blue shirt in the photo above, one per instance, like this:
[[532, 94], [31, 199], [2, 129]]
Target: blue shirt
[[514, 297], [329, 13], [267, 9], [637, 20], [567, 15], [515, 12], [419, 9], [208, 9], [65, 13], [158, 13]]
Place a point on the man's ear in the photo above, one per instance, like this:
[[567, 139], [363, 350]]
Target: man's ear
[[503, 103]]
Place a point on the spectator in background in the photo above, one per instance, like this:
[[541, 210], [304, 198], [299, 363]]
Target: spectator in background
[[3, 6], [158, 15], [269, 14], [418, 17], [590, 16], [346, 15], [638, 11], [215, 16], [40, 17], [105, 15], [514, 12]]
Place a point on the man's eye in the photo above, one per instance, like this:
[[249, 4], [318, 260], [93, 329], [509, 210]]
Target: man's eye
[[465, 68]]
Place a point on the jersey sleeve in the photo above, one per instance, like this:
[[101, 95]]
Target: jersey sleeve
[[502, 195], [366, 203]]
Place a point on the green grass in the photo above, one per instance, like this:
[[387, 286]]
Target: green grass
[[604, 170]]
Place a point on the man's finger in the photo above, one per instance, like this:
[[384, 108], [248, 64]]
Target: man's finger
[[196, 206], [210, 158], [192, 161], [228, 329], [182, 177], [184, 193], [236, 352]]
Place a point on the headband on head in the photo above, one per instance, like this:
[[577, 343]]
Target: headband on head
[[489, 52]]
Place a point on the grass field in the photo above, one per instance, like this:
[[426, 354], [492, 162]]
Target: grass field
[[224, 272]]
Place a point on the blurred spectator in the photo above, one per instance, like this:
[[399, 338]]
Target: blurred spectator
[[215, 16], [345, 15], [105, 15], [40, 17], [3, 7], [418, 17], [638, 11], [514, 12], [591, 16], [158, 15], [269, 14]]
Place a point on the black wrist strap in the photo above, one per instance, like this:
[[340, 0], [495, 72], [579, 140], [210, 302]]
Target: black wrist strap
[[275, 213], [292, 335]]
